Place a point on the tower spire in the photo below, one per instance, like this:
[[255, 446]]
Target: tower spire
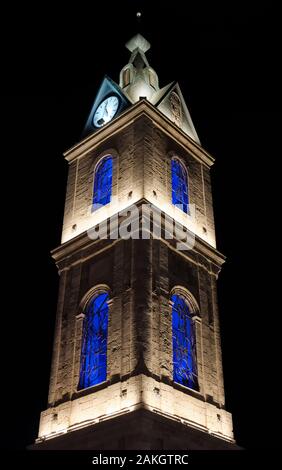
[[138, 78]]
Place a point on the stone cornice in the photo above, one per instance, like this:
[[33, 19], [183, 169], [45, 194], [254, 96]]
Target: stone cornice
[[141, 108], [83, 243]]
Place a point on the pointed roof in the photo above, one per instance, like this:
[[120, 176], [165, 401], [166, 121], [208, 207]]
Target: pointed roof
[[139, 79], [162, 101], [160, 94]]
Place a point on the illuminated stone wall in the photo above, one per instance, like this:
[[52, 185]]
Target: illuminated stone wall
[[123, 398], [141, 169], [140, 275]]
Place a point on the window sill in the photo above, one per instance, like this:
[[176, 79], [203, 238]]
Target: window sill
[[188, 391], [87, 391]]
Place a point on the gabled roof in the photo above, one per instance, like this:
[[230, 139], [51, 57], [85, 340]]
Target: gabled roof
[[162, 101], [159, 95]]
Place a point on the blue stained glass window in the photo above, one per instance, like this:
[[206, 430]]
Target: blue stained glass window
[[103, 182], [184, 344], [179, 185], [93, 364]]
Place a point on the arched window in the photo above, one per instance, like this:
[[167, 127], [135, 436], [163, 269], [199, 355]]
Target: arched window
[[184, 343], [126, 77], [93, 362], [179, 185], [103, 182]]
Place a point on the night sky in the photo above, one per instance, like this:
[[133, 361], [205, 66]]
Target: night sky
[[226, 61]]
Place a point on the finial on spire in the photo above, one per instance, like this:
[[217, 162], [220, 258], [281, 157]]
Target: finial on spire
[[138, 41]]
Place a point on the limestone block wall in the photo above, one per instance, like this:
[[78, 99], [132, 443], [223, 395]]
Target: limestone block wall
[[159, 150], [137, 392], [103, 267], [142, 155], [140, 275]]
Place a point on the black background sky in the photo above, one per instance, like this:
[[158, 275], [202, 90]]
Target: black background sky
[[226, 59]]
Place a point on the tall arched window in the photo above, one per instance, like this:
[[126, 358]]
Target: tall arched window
[[179, 184], [184, 343], [126, 77], [93, 362], [103, 182]]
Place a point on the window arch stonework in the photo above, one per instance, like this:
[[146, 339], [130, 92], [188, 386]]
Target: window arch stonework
[[91, 347], [193, 304], [92, 171], [186, 338]]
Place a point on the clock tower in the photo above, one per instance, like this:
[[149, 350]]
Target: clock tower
[[137, 356]]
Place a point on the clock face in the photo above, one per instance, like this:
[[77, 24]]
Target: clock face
[[106, 111]]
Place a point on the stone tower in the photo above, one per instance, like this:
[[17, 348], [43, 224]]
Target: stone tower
[[137, 357]]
